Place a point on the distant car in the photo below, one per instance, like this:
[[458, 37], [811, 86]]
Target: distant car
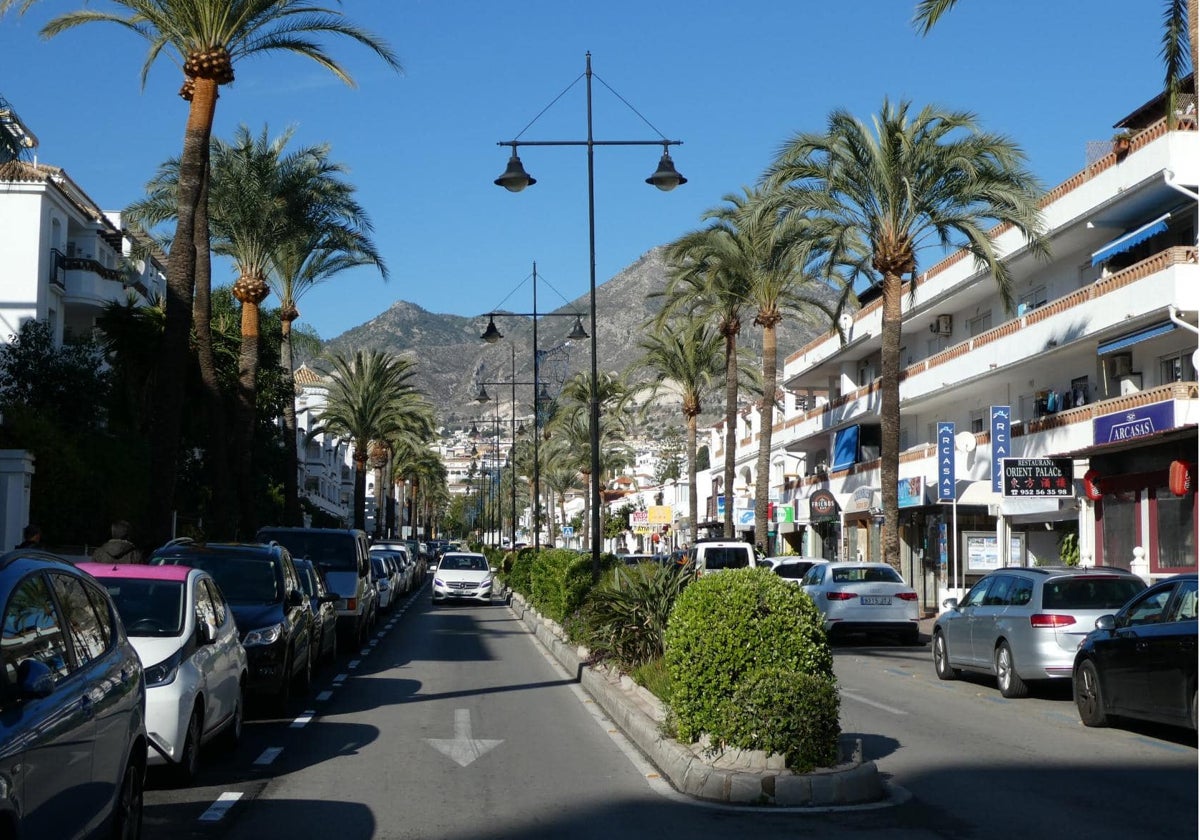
[[863, 597], [419, 569], [462, 576], [398, 575], [268, 601], [72, 705], [1141, 662], [715, 555], [384, 578], [195, 666], [1025, 623], [789, 567], [323, 604]]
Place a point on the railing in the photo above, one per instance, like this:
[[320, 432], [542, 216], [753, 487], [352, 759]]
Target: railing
[[62, 263]]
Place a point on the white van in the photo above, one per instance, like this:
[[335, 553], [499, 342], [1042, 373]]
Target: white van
[[715, 555]]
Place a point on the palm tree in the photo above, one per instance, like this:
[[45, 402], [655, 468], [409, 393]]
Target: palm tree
[[687, 353], [877, 196], [371, 397], [1179, 31], [710, 277], [205, 37]]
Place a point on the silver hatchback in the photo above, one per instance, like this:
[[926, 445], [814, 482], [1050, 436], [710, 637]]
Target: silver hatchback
[[1025, 624]]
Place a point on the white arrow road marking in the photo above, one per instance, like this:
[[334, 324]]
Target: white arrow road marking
[[463, 749]]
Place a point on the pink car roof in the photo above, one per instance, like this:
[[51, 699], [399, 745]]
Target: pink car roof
[[136, 571]]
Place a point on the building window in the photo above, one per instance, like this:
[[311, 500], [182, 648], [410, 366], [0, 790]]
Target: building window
[[1173, 532], [1177, 368], [977, 420], [1032, 300], [979, 324]]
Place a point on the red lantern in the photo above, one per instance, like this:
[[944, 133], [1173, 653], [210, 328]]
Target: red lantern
[[1181, 477], [1091, 485]]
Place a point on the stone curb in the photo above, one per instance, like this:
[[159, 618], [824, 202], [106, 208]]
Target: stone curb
[[639, 715]]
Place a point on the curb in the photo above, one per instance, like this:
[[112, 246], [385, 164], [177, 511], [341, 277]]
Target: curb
[[639, 715]]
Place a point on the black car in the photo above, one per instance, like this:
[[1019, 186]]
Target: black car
[[324, 609], [1141, 662], [262, 587], [72, 705]]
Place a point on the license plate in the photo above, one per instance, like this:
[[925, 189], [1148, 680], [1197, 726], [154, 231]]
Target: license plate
[[875, 600]]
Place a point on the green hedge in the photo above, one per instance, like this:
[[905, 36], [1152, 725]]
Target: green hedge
[[745, 635], [790, 713], [559, 581]]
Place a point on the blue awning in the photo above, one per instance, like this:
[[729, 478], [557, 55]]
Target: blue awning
[[1131, 339], [1128, 240], [845, 448]]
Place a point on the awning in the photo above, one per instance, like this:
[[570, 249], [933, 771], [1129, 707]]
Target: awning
[[1130, 339], [1128, 240]]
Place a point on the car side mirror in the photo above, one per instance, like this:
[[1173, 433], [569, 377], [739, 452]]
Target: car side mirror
[[34, 679], [492, 569], [295, 598], [206, 633], [950, 603], [1106, 622]]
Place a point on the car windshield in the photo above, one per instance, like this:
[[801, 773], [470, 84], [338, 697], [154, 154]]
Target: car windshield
[[866, 574], [149, 607], [463, 563], [1089, 593], [243, 580], [332, 550]]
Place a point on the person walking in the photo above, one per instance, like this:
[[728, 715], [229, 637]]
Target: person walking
[[118, 549], [31, 537]]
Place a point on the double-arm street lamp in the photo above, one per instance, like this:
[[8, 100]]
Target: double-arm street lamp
[[665, 178], [491, 335], [483, 397]]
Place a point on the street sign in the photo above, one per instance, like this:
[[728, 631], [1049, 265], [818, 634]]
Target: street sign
[[1046, 477]]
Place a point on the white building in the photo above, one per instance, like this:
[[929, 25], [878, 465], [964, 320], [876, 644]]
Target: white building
[[1095, 368], [326, 470]]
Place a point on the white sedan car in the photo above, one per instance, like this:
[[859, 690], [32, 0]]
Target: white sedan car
[[863, 598], [184, 631], [462, 576]]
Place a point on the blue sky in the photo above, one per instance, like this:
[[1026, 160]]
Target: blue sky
[[733, 81]]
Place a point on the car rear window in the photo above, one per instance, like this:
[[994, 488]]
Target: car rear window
[[1090, 593], [719, 557], [792, 571], [331, 551], [866, 575]]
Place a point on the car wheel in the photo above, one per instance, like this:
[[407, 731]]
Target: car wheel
[[127, 814], [1088, 697], [189, 757], [1011, 685], [231, 735], [941, 659]]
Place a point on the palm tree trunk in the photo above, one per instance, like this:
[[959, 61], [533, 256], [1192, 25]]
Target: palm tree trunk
[[693, 494], [246, 418], [762, 486], [360, 485], [181, 285], [889, 421], [221, 524], [291, 458], [731, 397]]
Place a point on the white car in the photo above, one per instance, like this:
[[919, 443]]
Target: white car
[[383, 575], [863, 598], [790, 567], [462, 576], [195, 666]]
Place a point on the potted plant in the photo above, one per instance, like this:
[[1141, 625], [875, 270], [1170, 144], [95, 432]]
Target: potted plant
[[1120, 143]]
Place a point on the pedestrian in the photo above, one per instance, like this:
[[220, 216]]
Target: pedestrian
[[119, 549], [31, 537]]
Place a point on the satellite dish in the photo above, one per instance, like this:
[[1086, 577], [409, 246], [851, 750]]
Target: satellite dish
[[964, 442], [846, 323]]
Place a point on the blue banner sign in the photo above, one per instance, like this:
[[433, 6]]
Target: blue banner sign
[[945, 462], [1134, 423], [1001, 444]]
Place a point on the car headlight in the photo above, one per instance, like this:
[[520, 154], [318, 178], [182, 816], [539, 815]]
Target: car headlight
[[438, 582], [263, 636], [164, 672], [487, 581]]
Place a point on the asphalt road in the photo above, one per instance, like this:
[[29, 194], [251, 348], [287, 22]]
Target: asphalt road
[[454, 723]]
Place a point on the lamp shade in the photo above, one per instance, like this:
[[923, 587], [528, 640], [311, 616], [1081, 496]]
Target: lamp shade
[[515, 178], [665, 177], [491, 335], [483, 395], [578, 333]]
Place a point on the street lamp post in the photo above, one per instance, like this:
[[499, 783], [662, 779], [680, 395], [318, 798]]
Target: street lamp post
[[483, 397], [665, 178]]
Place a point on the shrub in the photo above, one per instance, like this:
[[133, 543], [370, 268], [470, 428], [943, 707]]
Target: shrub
[[559, 581], [518, 572], [653, 676], [726, 629], [790, 713], [628, 612]]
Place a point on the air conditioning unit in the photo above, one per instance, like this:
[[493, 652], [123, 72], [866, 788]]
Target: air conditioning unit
[[942, 325], [1122, 364]]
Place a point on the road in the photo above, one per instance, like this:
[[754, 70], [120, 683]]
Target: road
[[454, 723]]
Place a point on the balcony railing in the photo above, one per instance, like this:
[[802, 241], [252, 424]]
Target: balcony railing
[[60, 264]]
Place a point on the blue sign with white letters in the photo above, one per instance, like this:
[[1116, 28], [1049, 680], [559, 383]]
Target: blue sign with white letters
[[1001, 444], [947, 482], [1134, 423]]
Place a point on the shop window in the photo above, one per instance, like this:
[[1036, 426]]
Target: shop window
[[1173, 532], [1119, 531]]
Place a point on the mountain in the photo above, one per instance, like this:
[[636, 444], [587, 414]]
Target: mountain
[[453, 361]]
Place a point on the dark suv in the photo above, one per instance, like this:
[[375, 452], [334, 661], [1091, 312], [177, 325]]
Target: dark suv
[[72, 705], [272, 612]]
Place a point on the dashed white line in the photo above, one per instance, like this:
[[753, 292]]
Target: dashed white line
[[352, 664], [303, 720], [323, 696], [268, 756], [340, 678], [859, 698], [221, 807]]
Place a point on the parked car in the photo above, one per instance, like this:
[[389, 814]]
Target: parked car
[[195, 666], [1025, 623], [68, 667], [341, 555], [461, 576], [789, 567], [419, 570], [268, 602], [407, 570], [863, 597], [714, 555], [397, 570], [323, 604], [384, 579], [1141, 661]]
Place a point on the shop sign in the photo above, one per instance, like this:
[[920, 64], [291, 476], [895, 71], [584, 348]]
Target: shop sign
[[1039, 477], [822, 506], [1134, 423], [659, 514], [861, 499], [639, 522], [1001, 444], [946, 478], [911, 492], [783, 513]]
